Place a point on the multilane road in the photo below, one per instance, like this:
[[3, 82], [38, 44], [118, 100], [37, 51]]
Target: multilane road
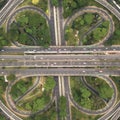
[[75, 64], [63, 64], [61, 71], [60, 60], [62, 57], [61, 49]]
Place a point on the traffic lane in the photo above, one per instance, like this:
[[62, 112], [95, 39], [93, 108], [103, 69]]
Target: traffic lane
[[62, 71], [8, 11], [52, 57], [79, 49], [109, 7], [67, 97], [59, 64], [8, 112], [111, 112]]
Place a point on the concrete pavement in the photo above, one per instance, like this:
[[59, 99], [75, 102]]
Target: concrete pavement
[[109, 7], [61, 71]]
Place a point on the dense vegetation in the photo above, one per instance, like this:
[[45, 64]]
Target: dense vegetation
[[37, 102], [83, 96], [40, 97], [83, 31], [70, 6], [49, 83], [48, 115], [118, 1], [21, 87], [2, 3], [28, 30], [11, 77], [43, 4], [3, 38], [3, 86], [97, 35], [55, 2], [105, 91], [116, 80], [62, 106], [115, 38], [2, 117]]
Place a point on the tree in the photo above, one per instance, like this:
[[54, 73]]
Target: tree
[[85, 93], [62, 105], [89, 18], [11, 77], [70, 6], [55, 2], [3, 38], [13, 35], [35, 2], [2, 117], [27, 106], [49, 83]]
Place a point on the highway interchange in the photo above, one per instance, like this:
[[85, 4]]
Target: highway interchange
[[60, 60]]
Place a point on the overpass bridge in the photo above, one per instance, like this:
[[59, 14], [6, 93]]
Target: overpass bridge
[[65, 61]]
